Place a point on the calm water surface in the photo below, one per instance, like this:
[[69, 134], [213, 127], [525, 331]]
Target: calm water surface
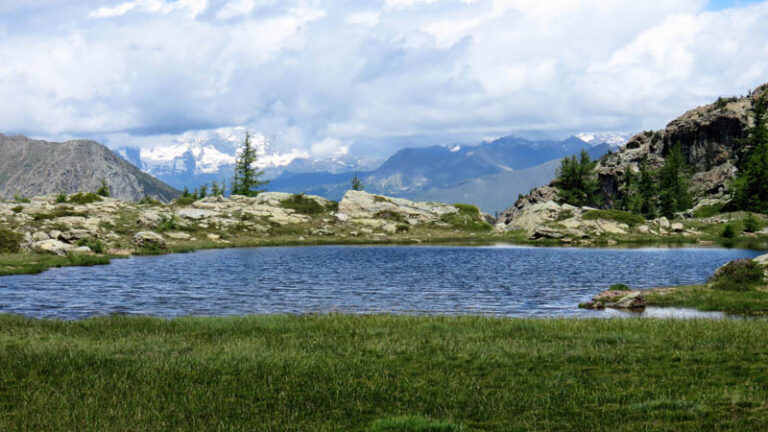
[[497, 280]]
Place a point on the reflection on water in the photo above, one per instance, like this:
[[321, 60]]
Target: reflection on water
[[495, 280]]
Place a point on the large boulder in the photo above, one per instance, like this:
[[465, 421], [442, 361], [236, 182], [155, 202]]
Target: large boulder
[[363, 205], [52, 246], [195, 213], [148, 239]]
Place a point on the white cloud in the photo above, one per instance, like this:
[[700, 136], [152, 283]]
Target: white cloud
[[322, 77]]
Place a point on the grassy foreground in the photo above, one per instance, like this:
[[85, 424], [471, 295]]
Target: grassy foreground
[[382, 373], [706, 298]]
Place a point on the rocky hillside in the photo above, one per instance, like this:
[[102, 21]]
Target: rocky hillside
[[89, 223], [32, 167], [709, 137]]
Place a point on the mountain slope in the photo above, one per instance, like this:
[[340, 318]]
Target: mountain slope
[[32, 167], [494, 193]]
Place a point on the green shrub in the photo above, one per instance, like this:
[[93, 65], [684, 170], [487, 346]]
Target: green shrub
[[303, 205], [10, 241], [619, 287], [167, 224], [738, 275], [17, 209], [403, 228], [332, 206], [751, 224], [20, 199], [729, 231], [468, 218], [58, 212], [61, 198], [43, 216], [563, 215], [103, 190], [708, 211], [630, 219], [148, 200], [95, 244], [413, 424], [184, 200], [85, 198]]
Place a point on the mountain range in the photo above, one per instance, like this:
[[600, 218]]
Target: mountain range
[[489, 175]]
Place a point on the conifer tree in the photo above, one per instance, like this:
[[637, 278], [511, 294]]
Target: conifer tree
[[203, 192], [215, 188], [356, 183], [674, 184], [577, 181], [750, 188], [247, 178], [644, 191]]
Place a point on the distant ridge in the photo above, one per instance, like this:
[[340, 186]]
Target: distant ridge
[[31, 167]]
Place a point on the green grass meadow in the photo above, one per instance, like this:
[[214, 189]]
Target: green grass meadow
[[382, 373]]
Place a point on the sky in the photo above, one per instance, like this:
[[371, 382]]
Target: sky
[[341, 77]]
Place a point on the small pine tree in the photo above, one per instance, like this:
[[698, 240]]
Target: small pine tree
[[577, 181], [186, 193], [103, 190], [356, 183], [203, 192], [674, 184], [195, 193], [643, 191], [215, 188], [751, 224], [247, 178]]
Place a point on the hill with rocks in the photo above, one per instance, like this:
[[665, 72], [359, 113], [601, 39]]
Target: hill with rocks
[[31, 167], [711, 139]]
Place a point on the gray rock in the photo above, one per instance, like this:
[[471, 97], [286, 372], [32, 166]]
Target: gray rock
[[82, 250], [363, 205], [40, 236], [677, 227], [148, 238], [195, 213], [178, 235], [52, 246], [75, 235], [633, 300]]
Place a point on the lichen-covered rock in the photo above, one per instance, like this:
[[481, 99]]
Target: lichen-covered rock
[[363, 205], [148, 239], [52, 246]]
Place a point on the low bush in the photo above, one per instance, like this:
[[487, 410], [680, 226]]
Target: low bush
[[619, 287], [332, 206], [303, 205], [148, 200], [94, 244], [10, 241], [708, 211], [184, 200], [17, 209], [468, 218], [85, 198], [20, 199], [738, 275], [751, 224], [729, 231], [167, 224], [61, 198], [630, 219]]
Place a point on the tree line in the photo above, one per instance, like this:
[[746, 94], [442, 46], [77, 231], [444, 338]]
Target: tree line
[[667, 190]]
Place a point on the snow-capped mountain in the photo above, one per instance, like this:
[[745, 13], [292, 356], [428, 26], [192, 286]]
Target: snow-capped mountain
[[196, 159], [613, 139]]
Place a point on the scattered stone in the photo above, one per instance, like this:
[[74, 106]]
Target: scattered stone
[[54, 234], [389, 228], [82, 250], [178, 235], [634, 300], [75, 235], [195, 213], [322, 231], [677, 227], [214, 237], [545, 233], [40, 236]]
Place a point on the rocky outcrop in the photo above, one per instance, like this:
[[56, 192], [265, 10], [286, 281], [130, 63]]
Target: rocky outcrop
[[359, 205], [627, 300], [33, 167], [52, 246], [710, 139]]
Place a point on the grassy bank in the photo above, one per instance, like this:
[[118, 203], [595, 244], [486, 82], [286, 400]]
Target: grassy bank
[[347, 373], [33, 263], [707, 298]]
